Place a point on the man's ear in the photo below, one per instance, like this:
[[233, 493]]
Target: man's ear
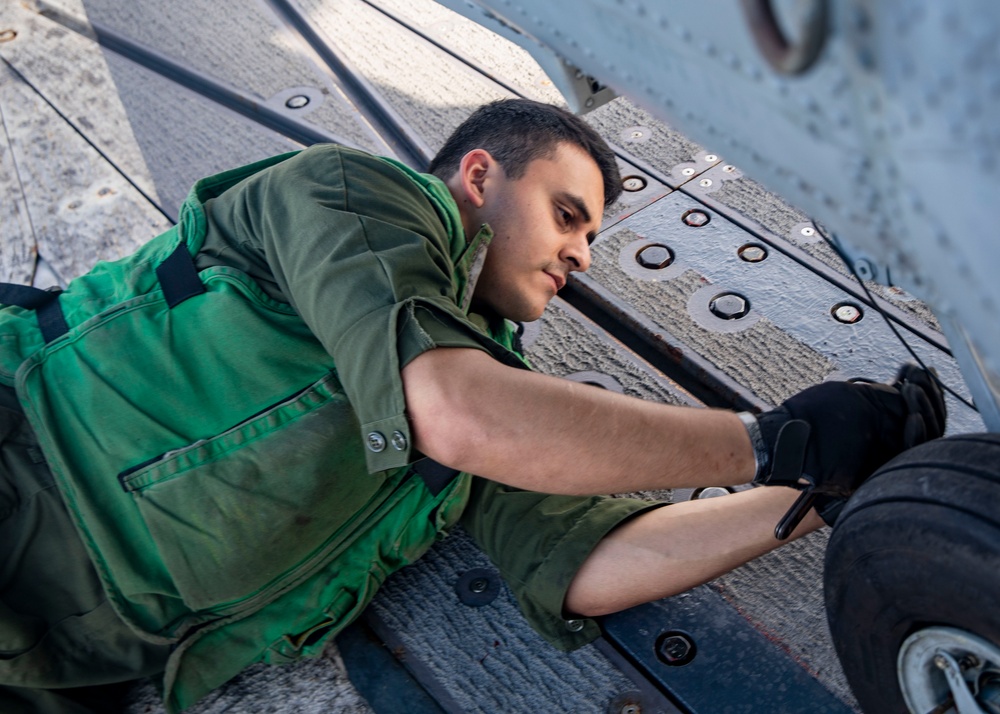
[[473, 171]]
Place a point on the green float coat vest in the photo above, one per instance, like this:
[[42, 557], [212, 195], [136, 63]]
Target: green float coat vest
[[211, 461]]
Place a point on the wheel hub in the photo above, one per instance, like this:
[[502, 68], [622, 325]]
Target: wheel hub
[[944, 669]]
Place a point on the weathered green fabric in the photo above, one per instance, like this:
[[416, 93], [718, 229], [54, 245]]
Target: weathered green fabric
[[212, 455]]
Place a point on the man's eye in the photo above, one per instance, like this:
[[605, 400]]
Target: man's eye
[[565, 216]]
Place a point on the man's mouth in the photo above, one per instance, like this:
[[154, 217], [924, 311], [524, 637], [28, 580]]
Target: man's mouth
[[559, 280]]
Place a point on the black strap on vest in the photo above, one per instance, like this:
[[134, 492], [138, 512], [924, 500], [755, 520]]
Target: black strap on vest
[[45, 303], [436, 476], [178, 277]]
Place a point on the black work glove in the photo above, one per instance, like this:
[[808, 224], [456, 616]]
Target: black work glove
[[826, 440]]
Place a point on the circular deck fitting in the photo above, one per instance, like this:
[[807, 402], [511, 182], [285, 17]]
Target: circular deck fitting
[[710, 492], [752, 253], [478, 587], [597, 379], [633, 183], [655, 256], [297, 101], [847, 313], [695, 218]]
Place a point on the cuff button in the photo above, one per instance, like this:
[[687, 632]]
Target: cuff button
[[376, 442]]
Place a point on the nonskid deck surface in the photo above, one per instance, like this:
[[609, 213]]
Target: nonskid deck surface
[[112, 110]]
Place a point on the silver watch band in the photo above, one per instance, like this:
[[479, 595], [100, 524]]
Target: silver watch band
[[760, 456]]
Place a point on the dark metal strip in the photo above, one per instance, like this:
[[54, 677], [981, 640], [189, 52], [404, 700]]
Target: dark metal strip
[[404, 140]]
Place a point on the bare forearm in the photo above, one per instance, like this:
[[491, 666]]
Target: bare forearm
[[672, 549], [542, 433]]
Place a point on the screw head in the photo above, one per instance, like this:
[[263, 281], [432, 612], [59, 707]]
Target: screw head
[[633, 183], [729, 306], [687, 172], [705, 183], [695, 218], [808, 231], [847, 313], [940, 662], [297, 101], [752, 253], [728, 168], [655, 256], [711, 158], [635, 134], [675, 649]]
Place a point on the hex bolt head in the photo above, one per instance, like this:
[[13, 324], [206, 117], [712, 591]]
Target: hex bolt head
[[847, 313], [655, 256], [695, 218], [729, 306], [297, 101], [752, 253], [633, 183], [675, 649]]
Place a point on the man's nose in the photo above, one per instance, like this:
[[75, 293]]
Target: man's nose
[[577, 253]]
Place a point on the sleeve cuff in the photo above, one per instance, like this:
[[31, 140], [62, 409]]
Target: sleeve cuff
[[548, 585]]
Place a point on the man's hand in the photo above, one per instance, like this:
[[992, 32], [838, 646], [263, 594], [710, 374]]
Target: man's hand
[[829, 438]]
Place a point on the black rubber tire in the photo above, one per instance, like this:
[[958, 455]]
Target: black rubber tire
[[917, 545]]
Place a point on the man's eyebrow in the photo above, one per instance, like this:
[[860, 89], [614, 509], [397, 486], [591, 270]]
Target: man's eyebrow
[[577, 203]]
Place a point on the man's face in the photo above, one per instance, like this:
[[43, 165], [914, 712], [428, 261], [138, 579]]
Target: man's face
[[543, 224]]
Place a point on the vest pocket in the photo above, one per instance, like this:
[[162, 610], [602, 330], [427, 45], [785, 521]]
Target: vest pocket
[[232, 513]]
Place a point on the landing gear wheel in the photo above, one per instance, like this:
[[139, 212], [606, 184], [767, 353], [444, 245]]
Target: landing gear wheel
[[912, 578]]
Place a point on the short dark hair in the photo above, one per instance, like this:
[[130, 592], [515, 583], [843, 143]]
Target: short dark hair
[[518, 131]]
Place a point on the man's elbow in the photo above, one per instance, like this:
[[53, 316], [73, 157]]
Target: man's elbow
[[441, 404]]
